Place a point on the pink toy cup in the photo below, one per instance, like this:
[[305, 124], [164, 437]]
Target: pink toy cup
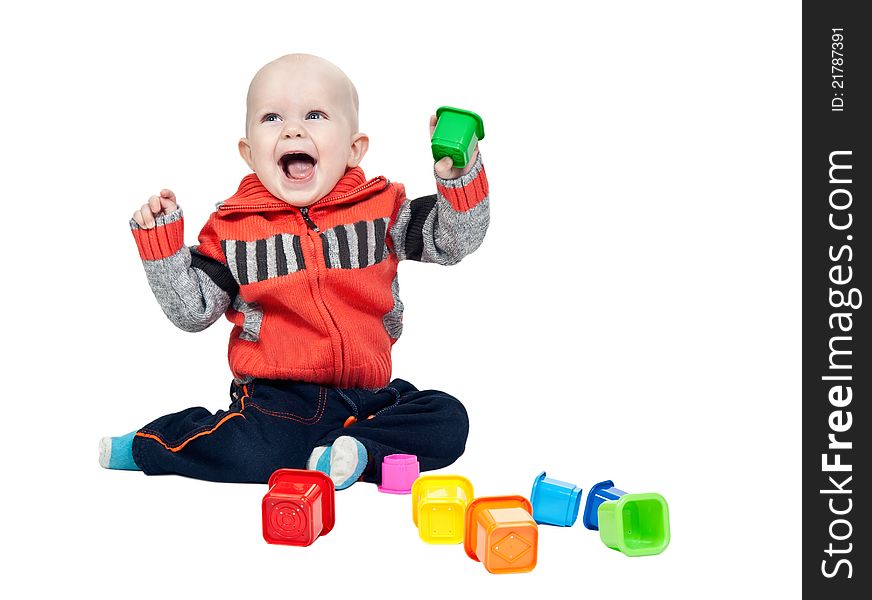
[[399, 472]]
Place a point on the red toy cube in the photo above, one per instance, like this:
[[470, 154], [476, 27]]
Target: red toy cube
[[299, 506]]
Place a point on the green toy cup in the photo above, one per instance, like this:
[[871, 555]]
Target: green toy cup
[[635, 524], [457, 132]]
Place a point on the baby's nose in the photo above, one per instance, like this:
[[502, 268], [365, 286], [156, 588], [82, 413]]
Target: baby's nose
[[293, 130]]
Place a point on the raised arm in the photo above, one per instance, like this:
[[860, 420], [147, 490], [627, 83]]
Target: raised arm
[[446, 226], [192, 285]]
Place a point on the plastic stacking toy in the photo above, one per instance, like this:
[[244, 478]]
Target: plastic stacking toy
[[457, 131], [298, 507], [501, 534], [439, 506], [601, 492], [555, 502], [399, 472], [635, 524]]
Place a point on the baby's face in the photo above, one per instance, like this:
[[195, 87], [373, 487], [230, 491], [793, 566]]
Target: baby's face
[[301, 129]]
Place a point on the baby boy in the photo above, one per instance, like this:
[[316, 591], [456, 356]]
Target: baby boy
[[302, 259]]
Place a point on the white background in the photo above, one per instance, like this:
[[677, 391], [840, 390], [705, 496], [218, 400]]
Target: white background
[[634, 313]]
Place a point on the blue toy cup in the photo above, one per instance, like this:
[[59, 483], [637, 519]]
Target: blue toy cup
[[555, 502], [601, 492]]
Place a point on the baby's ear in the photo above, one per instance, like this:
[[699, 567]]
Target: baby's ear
[[245, 152], [359, 146]]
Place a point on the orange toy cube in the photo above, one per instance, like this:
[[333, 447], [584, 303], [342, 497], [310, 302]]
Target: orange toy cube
[[501, 534]]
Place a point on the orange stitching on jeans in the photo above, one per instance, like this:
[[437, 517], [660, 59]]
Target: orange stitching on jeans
[[193, 437], [322, 405], [201, 432]]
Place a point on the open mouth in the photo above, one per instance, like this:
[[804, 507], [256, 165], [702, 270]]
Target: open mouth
[[297, 165]]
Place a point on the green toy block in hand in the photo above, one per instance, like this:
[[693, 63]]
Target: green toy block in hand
[[457, 132]]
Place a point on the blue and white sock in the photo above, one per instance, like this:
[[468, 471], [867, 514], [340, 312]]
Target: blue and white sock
[[343, 462], [117, 452]]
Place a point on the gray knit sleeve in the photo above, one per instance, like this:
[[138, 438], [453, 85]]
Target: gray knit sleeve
[[446, 226], [193, 290]]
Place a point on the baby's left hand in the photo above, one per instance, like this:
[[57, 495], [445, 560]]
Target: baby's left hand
[[445, 166]]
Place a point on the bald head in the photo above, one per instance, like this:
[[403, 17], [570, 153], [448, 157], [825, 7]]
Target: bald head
[[284, 75], [301, 129]]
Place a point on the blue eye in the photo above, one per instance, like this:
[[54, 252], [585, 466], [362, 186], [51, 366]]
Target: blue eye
[[315, 115], [270, 117]]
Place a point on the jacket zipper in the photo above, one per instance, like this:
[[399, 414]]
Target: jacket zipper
[[305, 212]]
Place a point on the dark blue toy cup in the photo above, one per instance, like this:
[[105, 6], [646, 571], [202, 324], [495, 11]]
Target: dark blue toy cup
[[601, 492], [555, 502]]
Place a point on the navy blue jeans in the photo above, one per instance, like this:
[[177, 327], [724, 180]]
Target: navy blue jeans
[[276, 424]]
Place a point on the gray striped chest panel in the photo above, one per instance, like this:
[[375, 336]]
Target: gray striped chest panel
[[258, 260], [355, 245], [350, 246]]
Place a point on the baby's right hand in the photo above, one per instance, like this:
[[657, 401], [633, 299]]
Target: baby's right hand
[[162, 204]]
